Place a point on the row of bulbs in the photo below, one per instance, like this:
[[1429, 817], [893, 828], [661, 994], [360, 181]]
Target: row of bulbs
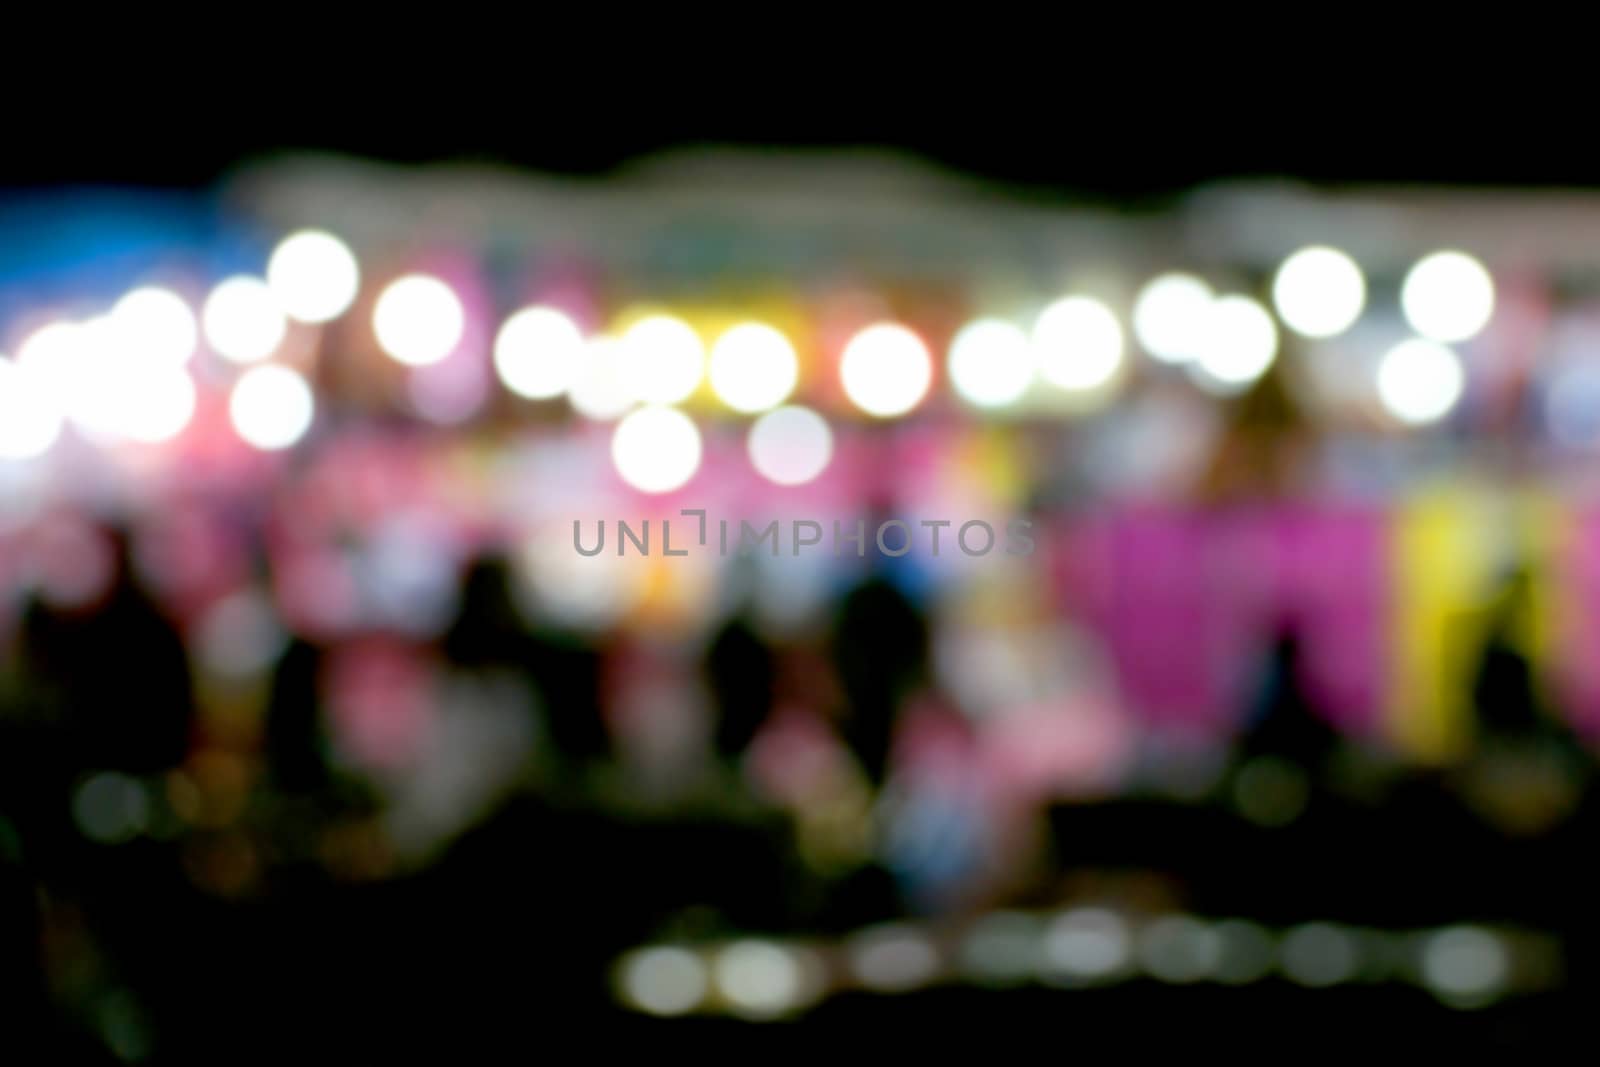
[[121, 375], [1463, 966], [1076, 344]]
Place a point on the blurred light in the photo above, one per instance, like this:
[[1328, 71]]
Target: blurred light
[[271, 407], [1270, 791], [93, 375], [124, 1026], [1078, 343], [600, 391], [313, 275], [1319, 291], [110, 388], [155, 327], [449, 392], [409, 577], [29, 419], [156, 404], [893, 959], [1000, 949], [110, 808], [753, 367], [539, 353], [1170, 317], [991, 363], [240, 636], [662, 359], [1087, 943], [791, 445], [663, 981], [759, 978], [656, 449], [1572, 405], [886, 370], [1248, 952], [242, 320], [75, 565], [1447, 296], [1318, 954], [1420, 381], [1176, 948], [1465, 964], [53, 359], [588, 592], [418, 319], [1238, 344]]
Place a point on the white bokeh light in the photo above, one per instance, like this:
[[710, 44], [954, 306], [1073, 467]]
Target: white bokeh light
[[759, 978], [790, 445], [600, 390], [242, 320], [1087, 943], [664, 980], [886, 370], [418, 319], [991, 363], [29, 419], [86, 372], [1465, 963], [893, 958], [154, 326], [271, 407], [1420, 381], [1238, 344], [313, 275], [1170, 316], [157, 404], [1319, 292], [1447, 297], [753, 367], [539, 353], [58, 368], [51, 344], [1078, 343], [662, 359], [114, 388], [656, 449]]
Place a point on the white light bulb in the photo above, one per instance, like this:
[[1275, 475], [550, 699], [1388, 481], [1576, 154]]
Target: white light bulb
[[314, 276]]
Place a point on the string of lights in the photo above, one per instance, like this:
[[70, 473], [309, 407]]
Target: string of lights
[[130, 375]]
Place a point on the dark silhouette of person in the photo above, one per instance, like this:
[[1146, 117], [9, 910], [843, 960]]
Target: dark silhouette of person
[[1505, 694], [294, 751], [1283, 722], [880, 649], [114, 673], [742, 674], [561, 669]]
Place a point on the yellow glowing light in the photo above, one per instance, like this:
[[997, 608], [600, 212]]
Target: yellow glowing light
[[753, 367]]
